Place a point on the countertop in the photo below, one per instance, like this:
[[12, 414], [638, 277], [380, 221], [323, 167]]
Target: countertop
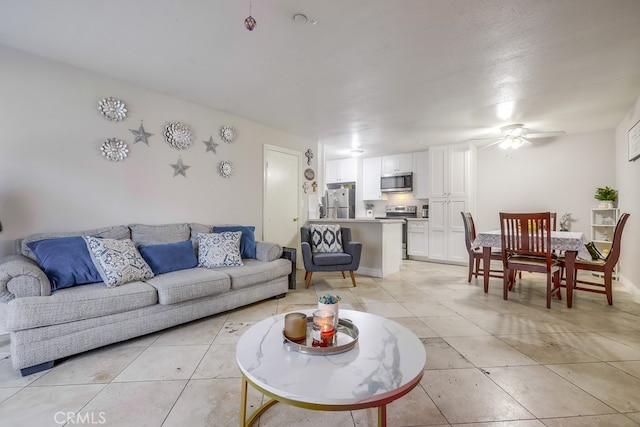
[[364, 220]]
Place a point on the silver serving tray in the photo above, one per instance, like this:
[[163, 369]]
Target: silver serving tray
[[345, 339]]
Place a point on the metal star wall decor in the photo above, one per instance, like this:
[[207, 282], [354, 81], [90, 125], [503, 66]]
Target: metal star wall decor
[[141, 135], [211, 146], [180, 168]]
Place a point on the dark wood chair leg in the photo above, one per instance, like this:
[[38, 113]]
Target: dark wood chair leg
[[471, 261], [353, 278], [608, 277], [307, 278], [505, 284]]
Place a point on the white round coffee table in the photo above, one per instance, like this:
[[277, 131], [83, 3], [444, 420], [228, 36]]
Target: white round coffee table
[[387, 362]]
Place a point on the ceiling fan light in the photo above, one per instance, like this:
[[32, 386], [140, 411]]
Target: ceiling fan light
[[517, 142], [506, 144], [356, 152]]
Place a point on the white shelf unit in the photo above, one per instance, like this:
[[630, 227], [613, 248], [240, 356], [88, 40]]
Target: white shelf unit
[[603, 225]]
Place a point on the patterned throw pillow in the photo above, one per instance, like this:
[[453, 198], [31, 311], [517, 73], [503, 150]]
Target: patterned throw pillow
[[326, 238], [117, 261], [219, 249]]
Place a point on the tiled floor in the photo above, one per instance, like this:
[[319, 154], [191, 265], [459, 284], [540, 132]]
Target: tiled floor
[[490, 362]]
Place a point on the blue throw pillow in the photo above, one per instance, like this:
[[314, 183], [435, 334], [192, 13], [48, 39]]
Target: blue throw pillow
[[169, 256], [247, 241], [66, 261]]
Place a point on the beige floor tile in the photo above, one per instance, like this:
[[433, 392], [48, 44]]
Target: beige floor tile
[[232, 331], [218, 362], [253, 312], [198, 332], [97, 366], [504, 324], [164, 363], [140, 404], [617, 420], [488, 351], [612, 386], [631, 368], [440, 355], [547, 348], [545, 394], [468, 306], [416, 326], [46, 406], [373, 296], [5, 393], [9, 377], [387, 309], [630, 338], [601, 347], [413, 409], [211, 402], [452, 326], [282, 415], [512, 423], [428, 308], [467, 395], [635, 416]]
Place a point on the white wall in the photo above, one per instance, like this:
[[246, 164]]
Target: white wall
[[53, 177], [559, 175], [627, 182]]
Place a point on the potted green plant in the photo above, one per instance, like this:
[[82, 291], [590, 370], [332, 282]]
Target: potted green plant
[[607, 196]]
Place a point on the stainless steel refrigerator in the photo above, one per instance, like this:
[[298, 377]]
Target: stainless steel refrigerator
[[340, 203]]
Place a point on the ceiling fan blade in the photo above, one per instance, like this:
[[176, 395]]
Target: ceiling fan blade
[[545, 134], [497, 141]]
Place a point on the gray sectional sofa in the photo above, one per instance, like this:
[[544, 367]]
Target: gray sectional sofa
[[46, 325]]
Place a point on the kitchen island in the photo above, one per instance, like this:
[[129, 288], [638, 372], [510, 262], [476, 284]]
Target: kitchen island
[[381, 243]]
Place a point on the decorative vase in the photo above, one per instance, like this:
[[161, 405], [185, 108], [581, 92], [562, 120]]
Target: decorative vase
[[333, 307], [605, 204]]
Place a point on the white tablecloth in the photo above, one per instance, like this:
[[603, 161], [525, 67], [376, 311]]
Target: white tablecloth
[[560, 241]]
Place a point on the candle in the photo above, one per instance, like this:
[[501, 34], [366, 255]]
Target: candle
[[295, 326], [323, 328]]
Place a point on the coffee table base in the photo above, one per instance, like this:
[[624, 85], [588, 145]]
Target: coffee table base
[[381, 404]]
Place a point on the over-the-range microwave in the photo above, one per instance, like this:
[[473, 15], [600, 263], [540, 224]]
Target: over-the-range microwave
[[396, 183]]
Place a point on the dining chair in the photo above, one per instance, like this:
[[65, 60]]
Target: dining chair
[[603, 266], [526, 246], [475, 255]]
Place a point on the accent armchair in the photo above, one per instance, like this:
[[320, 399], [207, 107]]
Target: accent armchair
[[346, 260]]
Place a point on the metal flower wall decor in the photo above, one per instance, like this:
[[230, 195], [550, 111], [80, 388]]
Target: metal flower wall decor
[[226, 168], [112, 109], [179, 135], [114, 149], [228, 134]]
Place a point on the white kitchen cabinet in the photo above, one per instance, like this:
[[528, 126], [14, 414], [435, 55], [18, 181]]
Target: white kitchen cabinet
[[397, 163], [417, 239], [371, 172], [450, 193], [421, 175], [341, 170]]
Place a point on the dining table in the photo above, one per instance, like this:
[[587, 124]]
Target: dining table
[[572, 243]]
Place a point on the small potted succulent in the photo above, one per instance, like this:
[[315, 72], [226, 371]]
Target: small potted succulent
[[330, 302], [607, 197]]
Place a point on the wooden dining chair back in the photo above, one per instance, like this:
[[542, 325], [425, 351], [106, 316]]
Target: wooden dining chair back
[[603, 266], [475, 255], [526, 246]]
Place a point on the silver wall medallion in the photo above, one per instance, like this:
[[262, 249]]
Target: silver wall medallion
[[114, 149], [226, 168], [179, 135], [228, 134], [112, 109]]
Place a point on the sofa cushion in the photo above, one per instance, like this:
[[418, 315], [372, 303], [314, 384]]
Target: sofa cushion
[[169, 257], [77, 303], [247, 240], [219, 249], [116, 232], [254, 272], [117, 261], [193, 283], [338, 258], [156, 234], [198, 228], [326, 238], [65, 261]]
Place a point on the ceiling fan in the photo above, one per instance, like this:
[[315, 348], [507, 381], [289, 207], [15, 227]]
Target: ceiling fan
[[516, 135]]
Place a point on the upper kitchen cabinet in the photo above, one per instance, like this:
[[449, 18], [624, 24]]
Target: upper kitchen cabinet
[[341, 170], [421, 175], [397, 163], [449, 170], [371, 171]]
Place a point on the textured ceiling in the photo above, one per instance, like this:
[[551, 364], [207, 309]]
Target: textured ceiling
[[391, 72]]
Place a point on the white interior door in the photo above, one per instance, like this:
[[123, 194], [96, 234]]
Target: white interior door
[[281, 196]]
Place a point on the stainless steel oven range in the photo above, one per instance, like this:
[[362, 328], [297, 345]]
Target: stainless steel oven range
[[396, 212]]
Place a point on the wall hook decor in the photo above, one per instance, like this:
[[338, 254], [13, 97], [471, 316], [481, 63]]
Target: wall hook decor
[[309, 155]]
